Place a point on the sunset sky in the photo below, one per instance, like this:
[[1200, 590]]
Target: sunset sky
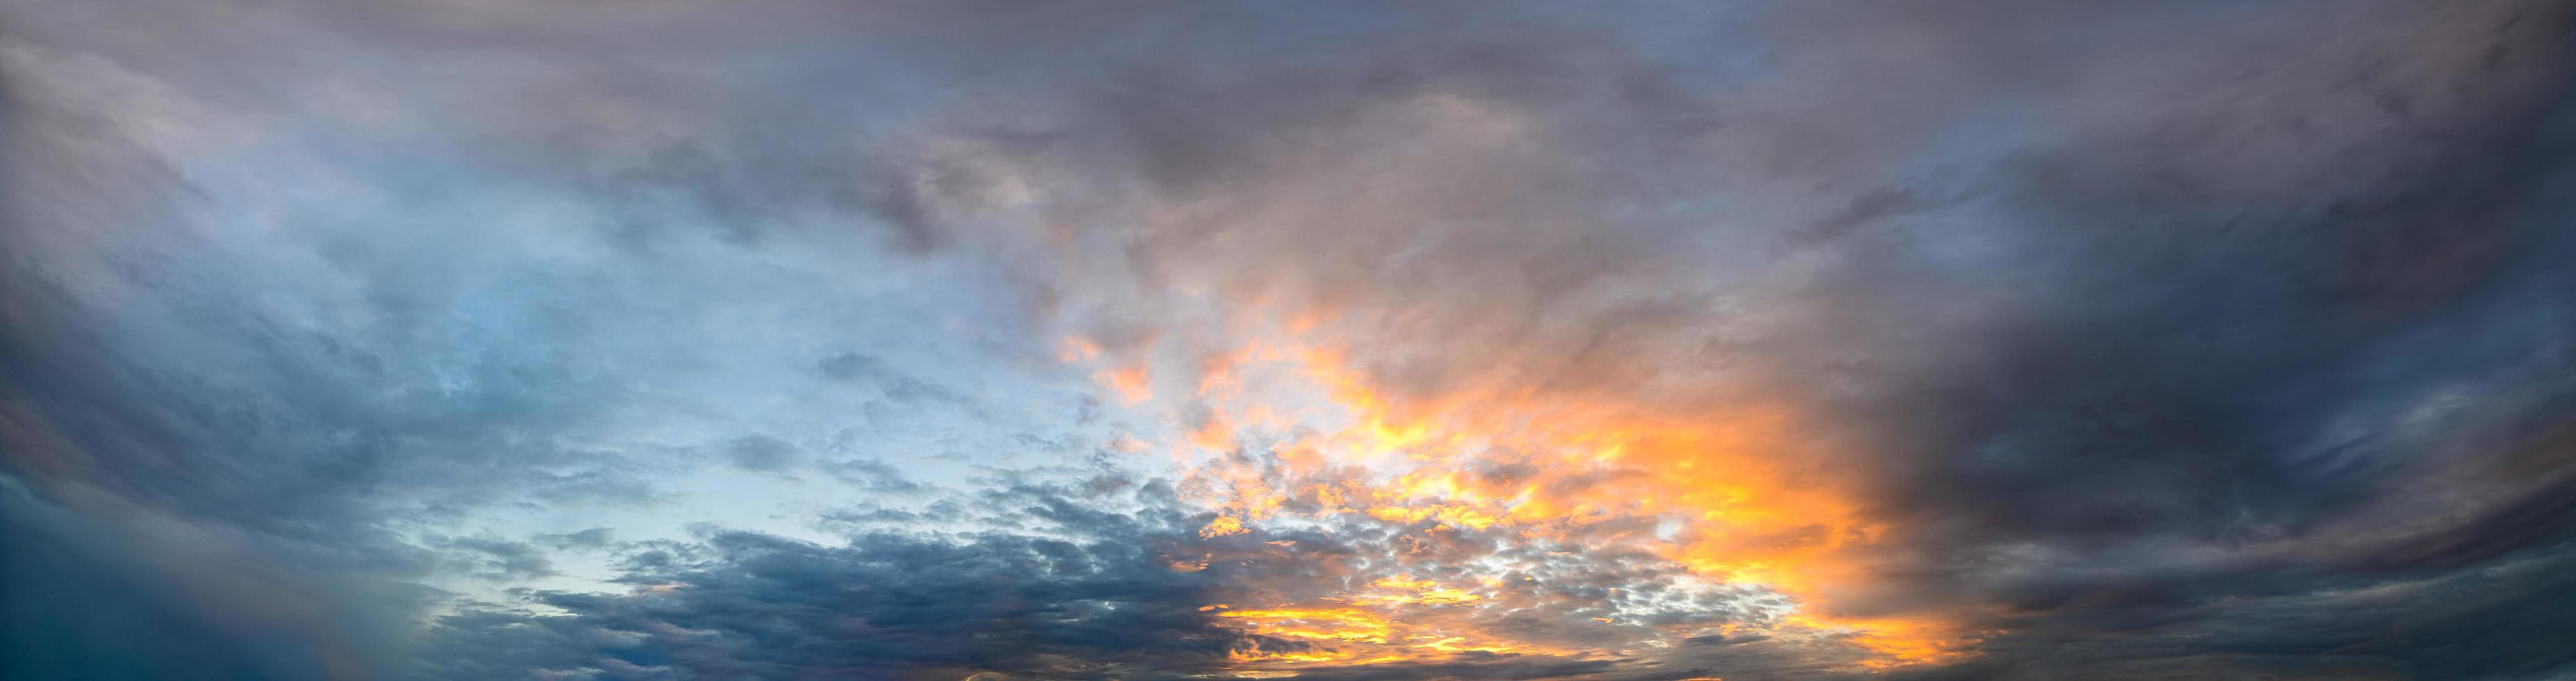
[[1622, 341]]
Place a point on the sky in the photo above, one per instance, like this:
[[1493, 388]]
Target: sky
[[967, 340]]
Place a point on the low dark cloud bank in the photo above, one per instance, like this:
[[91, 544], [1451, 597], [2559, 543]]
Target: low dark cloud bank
[[1101, 604], [670, 340]]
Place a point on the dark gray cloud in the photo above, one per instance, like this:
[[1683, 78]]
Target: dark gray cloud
[[1071, 592], [883, 606]]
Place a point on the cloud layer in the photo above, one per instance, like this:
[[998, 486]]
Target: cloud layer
[[800, 339]]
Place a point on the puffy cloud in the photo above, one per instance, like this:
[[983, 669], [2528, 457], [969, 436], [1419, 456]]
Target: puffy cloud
[[881, 606]]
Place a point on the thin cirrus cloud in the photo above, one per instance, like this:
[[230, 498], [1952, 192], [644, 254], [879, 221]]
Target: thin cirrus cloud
[[789, 339]]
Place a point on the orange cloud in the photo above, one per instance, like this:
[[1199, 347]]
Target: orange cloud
[[1731, 494]]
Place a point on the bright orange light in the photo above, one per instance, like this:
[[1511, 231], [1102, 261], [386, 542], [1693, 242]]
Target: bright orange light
[[1222, 526], [1723, 492]]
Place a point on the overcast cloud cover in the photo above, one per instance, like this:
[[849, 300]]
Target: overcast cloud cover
[[805, 339]]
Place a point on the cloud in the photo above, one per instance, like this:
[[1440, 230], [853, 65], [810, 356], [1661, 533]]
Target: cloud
[[885, 605], [762, 454], [1998, 340]]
